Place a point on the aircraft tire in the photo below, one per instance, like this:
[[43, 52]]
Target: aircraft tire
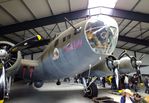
[[92, 91], [38, 84], [58, 82]]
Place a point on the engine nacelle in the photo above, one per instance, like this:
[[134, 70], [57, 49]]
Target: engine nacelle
[[126, 65], [12, 60], [105, 67]]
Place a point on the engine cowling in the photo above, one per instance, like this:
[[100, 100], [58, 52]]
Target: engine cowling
[[105, 67], [125, 64], [128, 65], [10, 59]]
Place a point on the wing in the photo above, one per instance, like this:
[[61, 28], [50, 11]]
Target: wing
[[29, 63]]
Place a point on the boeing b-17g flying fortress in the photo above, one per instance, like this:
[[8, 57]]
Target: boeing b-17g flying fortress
[[84, 49]]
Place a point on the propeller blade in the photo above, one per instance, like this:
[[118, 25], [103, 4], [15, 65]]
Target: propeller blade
[[122, 54], [138, 72], [116, 77], [137, 65], [2, 82], [5, 47], [109, 61], [135, 54], [141, 66], [142, 56]]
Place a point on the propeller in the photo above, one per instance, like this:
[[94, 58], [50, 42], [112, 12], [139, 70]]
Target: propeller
[[2, 82], [10, 58], [113, 64], [134, 62], [8, 51], [137, 64], [124, 64]]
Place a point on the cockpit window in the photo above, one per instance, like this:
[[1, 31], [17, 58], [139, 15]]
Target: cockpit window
[[100, 36]]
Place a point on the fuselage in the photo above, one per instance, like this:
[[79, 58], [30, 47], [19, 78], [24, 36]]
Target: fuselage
[[72, 53]]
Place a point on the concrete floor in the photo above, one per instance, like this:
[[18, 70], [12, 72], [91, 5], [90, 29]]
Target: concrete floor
[[51, 93]]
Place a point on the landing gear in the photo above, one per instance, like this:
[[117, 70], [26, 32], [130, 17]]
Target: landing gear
[[92, 91], [58, 82], [38, 84], [90, 88]]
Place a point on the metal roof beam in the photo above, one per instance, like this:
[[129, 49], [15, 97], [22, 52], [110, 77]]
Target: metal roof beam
[[134, 50], [72, 16], [134, 40]]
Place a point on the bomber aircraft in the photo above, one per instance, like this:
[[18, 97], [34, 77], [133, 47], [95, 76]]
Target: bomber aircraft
[[74, 51]]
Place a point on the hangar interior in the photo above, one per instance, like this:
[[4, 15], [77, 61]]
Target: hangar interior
[[21, 19]]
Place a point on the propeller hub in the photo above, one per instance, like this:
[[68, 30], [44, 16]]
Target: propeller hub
[[116, 63], [3, 53], [138, 62]]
